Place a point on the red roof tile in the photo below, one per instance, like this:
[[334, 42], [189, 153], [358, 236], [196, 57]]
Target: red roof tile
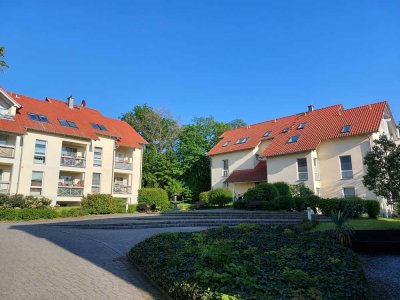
[[321, 124], [55, 110], [258, 174]]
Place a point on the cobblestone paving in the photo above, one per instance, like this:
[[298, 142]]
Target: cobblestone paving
[[38, 261]]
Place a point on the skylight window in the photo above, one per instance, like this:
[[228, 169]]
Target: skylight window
[[301, 126], [294, 139], [242, 140], [99, 126], [67, 123], [268, 133], [36, 117], [226, 143], [346, 129], [285, 130]]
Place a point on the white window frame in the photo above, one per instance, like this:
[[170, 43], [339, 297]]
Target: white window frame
[[302, 175], [225, 171], [40, 155], [317, 175], [96, 188], [349, 171], [349, 196], [36, 187], [96, 161]]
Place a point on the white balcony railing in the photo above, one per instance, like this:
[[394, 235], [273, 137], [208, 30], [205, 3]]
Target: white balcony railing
[[4, 187], [68, 161], [70, 191], [7, 151], [123, 165], [122, 189]]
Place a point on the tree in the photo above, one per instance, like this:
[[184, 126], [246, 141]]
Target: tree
[[237, 123], [3, 63], [383, 169]]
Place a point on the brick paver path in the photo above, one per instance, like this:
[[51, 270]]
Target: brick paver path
[[38, 261]]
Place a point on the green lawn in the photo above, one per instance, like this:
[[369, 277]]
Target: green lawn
[[366, 224]]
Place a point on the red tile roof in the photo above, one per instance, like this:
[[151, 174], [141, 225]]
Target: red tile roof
[[321, 124], [54, 110], [258, 174]]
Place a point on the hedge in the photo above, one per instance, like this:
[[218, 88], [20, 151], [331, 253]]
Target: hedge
[[284, 203], [351, 207], [154, 196], [220, 196], [21, 201], [203, 196], [251, 262], [103, 204], [283, 188], [372, 208], [261, 192], [15, 214]]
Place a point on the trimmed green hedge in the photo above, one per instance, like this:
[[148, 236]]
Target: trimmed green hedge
[[351, 207], [103, 204], [220, 196], [372, 208], [154, 196], [251, 262], [14, 214], [21, 201], [283, 188], [284, 203]]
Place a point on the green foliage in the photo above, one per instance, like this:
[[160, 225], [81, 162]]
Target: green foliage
[[343, 231], [203, 196], [132, 208], [220, 196], [251, 262], [3, 63], [383, 169], [284, 202], [351, 207], [239, 204], [103, 204], [311, 201], [13, 214], [71, 212], [283, 188], [372, 208], [21, 201], [299, 203], [154, 196], [16, 200], [268, 190], [178, 188], [300, 190], [253, 194], [36, 202]]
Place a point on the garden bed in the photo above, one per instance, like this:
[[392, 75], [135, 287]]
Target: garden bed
[[251, 262]]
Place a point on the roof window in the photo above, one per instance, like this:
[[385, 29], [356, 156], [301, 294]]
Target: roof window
[[294, 139], [226, 143], [36, 117], [301, 126], [268, 133], [67, 123], [99, 127], [286, 129], [346, 129], [242, 140]]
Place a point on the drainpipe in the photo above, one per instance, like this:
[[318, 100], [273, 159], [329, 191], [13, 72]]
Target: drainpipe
[[21, 142], [112, 169]]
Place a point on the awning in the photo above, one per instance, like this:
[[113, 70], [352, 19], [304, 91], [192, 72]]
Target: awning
[[258, 174]]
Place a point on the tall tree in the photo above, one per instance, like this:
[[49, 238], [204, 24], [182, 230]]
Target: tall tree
[[237, 123], [383, 169], [3, 63]]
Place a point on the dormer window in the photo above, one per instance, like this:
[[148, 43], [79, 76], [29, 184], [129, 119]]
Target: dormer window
[[67, 123], [99, 127], [294, 139], [268, 133], [242, 140], [226, 143], [285, 130], [39, 118], [301, 126], [346, 129]]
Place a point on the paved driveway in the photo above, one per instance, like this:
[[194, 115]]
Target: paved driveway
[[38, 261]]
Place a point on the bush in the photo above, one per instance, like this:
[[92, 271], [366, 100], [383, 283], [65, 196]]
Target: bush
[[4, 200], [253, 194], [239, 204], [12, 214], [71, 212], [301, 190], [372, 208], [156, 196], [103, 204], [142, 207], [203, 196], [284, 202], [220, 196], [269, 191], [268, 205], [311, 201], [16, 200], [283, 188], [251, 262], [21, 201], [132, 208], [351, 207], [36, 202], [299, 203]]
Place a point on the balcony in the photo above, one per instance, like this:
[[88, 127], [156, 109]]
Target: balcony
[[70, 188], [122, 189], [70, 161], [7, 151], [4, 187], [123, 165]]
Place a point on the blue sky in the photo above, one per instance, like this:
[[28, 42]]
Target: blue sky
[[254, 60]]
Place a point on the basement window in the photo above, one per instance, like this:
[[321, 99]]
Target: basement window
[[226, 143], [242, 140], [294, 139], [346, 129], [36, 117], [99, 127], [301, 126], [268, 133], [67, 123]]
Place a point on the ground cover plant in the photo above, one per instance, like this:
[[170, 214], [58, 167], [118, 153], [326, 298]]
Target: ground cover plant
[[251, 262]]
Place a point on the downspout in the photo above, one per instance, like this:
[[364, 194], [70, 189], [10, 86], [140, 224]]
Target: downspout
[[141, 167], [20, 162], [113, 167]]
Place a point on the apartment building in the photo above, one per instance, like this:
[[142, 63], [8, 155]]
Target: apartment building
[[323, 148], [63, 151]]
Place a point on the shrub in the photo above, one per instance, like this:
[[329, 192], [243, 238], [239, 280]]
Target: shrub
[[283, 188], [300, 190], [12, 214], [132, 208], [239, 204], [199, 205], [203, 196], [269, 191], [253, 194], [142, 207], [268, 205], [36, 202], [220, 196], [253, 204], [156, 196], [311, 201], [103, 204], [72, 212], [4, 200], [351, 207], [284, 202], [299, 203], [372, 208], [16, 200]]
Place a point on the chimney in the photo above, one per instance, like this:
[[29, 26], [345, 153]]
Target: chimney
[[70, 102], [310, 108], [83, 103]]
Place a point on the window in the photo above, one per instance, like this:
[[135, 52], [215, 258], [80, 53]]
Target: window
[[99, 126], [293, 139], [302, 169], [225, 168], [301, 126], [268, 133], [67, 123], [3, 139], [69, 151], [316, 169], [349, 192], [226, 143], [285, 130], [96, 183], [98, 155], [346, 167], [346, 129], [36, 183], [36, 117], [40, 152], [242, 140]]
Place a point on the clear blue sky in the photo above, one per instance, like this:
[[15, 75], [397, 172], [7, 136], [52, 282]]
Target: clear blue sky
[[254, 60]]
